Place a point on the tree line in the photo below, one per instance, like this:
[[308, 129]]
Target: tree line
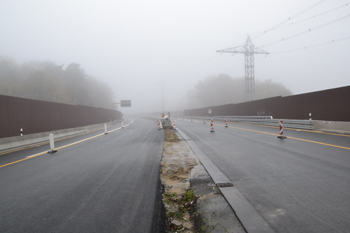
[[50, 82], [222, 89]]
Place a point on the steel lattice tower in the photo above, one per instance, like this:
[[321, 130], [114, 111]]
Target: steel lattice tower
[[248, 49]]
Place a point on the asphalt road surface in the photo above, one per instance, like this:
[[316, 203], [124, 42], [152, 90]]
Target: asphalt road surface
[[298, 184], [105, 184]]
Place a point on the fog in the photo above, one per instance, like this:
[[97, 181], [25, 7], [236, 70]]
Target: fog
[[135, 46]]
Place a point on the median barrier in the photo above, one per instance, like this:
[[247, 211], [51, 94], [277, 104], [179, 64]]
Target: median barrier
[[263, 120], [19, 142], [341, 127]]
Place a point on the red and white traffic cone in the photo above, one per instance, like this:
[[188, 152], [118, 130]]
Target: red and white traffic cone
[[226, 122], [159, 125], [281, 131], [203, 120], [212, 126], [174, 124]]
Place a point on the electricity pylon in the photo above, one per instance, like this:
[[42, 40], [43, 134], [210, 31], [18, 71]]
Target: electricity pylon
[[248, 49]]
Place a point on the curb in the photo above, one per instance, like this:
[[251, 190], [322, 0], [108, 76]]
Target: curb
[[249, 217]]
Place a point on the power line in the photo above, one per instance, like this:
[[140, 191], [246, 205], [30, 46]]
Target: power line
[[199, 65], [304, 32], [312, 17], [194, 69], [313, 46], [292, 17]]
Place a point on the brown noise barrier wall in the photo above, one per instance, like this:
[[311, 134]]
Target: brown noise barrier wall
[[35, 116], [327, 105]]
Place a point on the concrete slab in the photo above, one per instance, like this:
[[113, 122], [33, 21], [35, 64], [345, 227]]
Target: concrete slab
[[214, 213]]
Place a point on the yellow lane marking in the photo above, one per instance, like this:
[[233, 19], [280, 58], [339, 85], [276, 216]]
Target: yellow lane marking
[[24, 148], [300, 139], [74, 143], [321, 143], [36, 145], [276, 127], [33, 156], [304, 130]]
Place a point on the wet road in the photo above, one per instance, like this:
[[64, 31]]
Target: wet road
[[300, 184], [105, 184]]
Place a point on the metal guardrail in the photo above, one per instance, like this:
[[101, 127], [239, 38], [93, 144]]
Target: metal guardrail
[[260, 120]]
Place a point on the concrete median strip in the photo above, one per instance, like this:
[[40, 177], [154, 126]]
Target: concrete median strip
[[249, 217]]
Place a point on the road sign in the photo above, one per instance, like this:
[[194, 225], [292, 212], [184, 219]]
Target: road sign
[[125, 103]]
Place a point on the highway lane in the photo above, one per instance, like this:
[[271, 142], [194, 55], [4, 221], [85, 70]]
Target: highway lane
[[296, 184], [106, 184]]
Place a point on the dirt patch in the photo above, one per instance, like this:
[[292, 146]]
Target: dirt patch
[[170, 136], [176, 165]]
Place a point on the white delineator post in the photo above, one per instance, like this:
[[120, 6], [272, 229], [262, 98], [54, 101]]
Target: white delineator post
[[174, 124], [203, 120], [52, 144], [310, 116], [281, 131], [21, 132], [226, 122], [212, 126], [106, 129]]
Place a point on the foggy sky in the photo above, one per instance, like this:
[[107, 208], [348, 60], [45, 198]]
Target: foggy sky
[[136, 45]]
